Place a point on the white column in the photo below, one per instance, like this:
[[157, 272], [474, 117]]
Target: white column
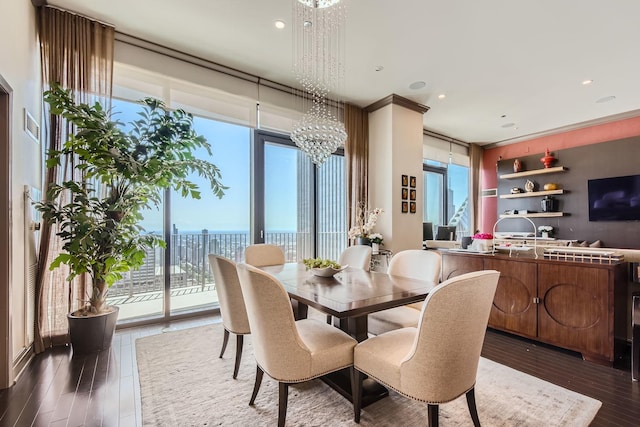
[[395, 149]]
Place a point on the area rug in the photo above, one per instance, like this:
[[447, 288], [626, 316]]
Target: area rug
[[184, 383]]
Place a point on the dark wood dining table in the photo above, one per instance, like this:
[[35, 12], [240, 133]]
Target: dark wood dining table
[[349, 296]]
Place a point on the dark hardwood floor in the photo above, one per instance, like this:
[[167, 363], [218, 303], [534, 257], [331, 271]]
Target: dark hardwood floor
[[102, 389]]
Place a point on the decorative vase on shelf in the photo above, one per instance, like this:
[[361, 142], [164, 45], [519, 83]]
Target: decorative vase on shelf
[[363, 241], [548, 159], [549, 204], [517, 165], [544, 234], [529, 186], [375, 247]]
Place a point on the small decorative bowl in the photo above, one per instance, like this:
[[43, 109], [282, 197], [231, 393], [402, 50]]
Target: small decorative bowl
[[327, 271]]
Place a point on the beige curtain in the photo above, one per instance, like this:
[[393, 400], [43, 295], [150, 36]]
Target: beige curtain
[[475, 156], [356, 150], [77, 53]]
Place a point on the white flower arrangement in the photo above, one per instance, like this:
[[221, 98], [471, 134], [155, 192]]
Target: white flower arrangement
[[376, 238], [545, 229], [365, 221]]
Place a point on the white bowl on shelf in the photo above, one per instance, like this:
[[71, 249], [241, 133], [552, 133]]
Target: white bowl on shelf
[[327, 271]]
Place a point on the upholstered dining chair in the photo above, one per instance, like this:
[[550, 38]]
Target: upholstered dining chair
[[436, 362], [288, 351], [261, 254], [356, 256], [232, 308], [414, 264]]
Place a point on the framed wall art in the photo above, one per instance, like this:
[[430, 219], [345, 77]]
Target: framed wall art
[[412, 209], [405, 180], [405, 193], [412, 182], [413, 194], [405, 207]]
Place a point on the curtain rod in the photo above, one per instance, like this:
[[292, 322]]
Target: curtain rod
[[106, 24], [445, 138]]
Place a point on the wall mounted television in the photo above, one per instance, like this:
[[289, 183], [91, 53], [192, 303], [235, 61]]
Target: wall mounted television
[[614, 199]]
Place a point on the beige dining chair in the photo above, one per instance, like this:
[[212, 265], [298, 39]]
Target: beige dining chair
[[262, 254], [232, 308], [436, 362], [289, 351], [414, 264], [356, 256]]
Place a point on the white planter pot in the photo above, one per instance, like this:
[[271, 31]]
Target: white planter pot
[[375, 247]]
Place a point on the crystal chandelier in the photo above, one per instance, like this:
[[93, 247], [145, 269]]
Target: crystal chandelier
[[318, 55]]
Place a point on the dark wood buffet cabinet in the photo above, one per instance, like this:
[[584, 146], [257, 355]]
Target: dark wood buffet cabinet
[[574, 305]]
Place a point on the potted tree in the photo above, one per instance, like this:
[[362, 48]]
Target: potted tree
[[119, 174]]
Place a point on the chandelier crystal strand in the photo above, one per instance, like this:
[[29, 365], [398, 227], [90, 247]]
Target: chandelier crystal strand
[[318, 55]]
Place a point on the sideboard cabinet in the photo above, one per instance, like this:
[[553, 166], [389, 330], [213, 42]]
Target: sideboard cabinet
[[577, 306]]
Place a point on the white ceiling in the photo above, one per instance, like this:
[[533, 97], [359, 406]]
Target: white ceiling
[[525, 60]]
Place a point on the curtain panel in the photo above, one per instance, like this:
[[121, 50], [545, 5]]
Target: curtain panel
[[77, 53], [356, 153], [475, 156]]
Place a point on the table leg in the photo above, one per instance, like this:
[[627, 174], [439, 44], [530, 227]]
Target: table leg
[[372, 391], [300, 311]]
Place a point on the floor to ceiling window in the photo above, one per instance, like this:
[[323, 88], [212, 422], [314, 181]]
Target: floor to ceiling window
[[210, 225], [446, 196], [302, 210], [304, 206]]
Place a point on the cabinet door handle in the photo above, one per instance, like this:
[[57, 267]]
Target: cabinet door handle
[[536, 300]]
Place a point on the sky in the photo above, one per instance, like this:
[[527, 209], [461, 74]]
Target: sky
[[230, 146]]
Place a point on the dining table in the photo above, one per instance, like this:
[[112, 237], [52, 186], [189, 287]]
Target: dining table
[[349, 296]]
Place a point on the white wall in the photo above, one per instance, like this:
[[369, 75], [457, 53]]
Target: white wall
[[20, 68]]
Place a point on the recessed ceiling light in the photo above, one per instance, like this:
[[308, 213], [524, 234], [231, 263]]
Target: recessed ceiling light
[[587, 82], [442, 96], [508, 125], [379, 68], [279, 24], [417, 85], [605, 99]]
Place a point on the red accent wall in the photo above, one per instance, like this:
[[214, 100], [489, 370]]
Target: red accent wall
[[575, 138]]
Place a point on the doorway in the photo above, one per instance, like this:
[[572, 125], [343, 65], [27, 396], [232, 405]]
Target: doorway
[[5, 232]]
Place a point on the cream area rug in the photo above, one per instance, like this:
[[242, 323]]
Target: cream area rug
[[184, 383]]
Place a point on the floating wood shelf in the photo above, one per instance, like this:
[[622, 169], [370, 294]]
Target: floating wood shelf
[[534, 215], [533, 172], [531, 194]]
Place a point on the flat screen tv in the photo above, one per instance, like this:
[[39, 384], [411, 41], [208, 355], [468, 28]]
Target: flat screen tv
[[614, 199]]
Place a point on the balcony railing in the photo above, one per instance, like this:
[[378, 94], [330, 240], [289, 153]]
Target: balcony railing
[[189, 263]]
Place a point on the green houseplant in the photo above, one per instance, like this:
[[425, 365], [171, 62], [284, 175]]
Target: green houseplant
[[119, 174]]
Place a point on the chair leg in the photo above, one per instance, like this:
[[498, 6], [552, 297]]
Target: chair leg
[[356, 393], [433, 415], [471, 403], [283, 392], [239, 342], [256, 385], [225, 340]]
